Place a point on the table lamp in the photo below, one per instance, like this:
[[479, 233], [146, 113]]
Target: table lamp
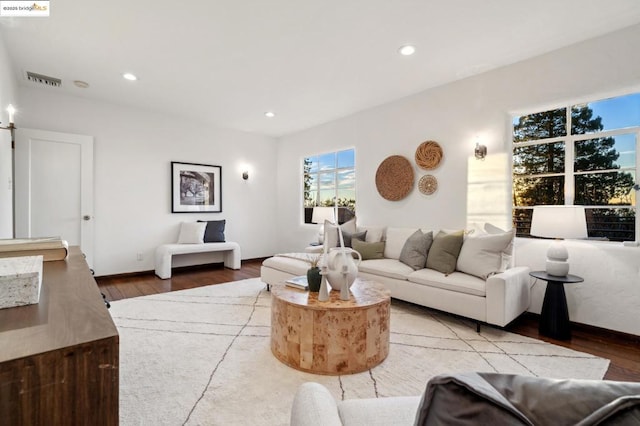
[[320, 214], [558, 222]]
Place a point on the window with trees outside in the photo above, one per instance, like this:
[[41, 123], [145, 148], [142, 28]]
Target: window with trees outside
[[329, 180], [584, 154]]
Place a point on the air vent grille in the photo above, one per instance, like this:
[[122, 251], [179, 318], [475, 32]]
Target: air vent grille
[[43, 79]]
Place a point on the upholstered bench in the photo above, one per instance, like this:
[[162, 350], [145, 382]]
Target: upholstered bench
[[165, 253]]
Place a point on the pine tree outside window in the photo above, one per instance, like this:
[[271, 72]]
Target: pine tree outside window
[[583, 154], [328, 180]]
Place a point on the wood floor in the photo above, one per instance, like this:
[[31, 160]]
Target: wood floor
[[623, 350]]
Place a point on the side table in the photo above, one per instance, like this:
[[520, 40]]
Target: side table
[[554, 318]]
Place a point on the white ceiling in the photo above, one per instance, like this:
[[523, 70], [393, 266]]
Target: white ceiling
[[226, 62]]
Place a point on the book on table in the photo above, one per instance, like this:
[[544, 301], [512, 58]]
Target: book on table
[[50, 248], [298, 282]]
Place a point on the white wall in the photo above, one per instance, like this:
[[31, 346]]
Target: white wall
[[609, 297], [133, 151], [8, 90], [454, 115]]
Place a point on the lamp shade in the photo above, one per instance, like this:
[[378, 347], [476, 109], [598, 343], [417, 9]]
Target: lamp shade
[[559, 222], [320, 214]]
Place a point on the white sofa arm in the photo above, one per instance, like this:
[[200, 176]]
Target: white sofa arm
[[508, 295], [314, 405]]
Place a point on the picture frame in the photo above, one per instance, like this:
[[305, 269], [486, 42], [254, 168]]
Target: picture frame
[[196, 188]]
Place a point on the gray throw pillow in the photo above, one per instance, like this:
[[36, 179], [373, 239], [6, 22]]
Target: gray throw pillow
[[214, 232], [415, 249], [349, 236], [443, 254], [369, 250]]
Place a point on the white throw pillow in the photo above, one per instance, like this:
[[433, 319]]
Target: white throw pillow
[[482, 255], [507, 254], [375, 234], [396, 237], [192, 232], [331, 237]]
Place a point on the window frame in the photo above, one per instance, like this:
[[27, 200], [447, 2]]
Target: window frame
[[334, 171], [569, 173]]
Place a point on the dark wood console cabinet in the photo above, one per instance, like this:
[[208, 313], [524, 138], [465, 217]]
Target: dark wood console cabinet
[[59, 358]]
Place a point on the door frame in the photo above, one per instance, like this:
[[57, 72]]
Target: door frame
[[23, 211]]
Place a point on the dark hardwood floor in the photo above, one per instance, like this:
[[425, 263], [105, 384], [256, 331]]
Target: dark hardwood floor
[[623, 350]]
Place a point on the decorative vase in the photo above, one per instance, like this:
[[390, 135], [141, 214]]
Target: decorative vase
[[343, 269], [314, 279]]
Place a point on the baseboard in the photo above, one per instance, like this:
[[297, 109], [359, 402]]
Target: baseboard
[[179, 268], [624, 338]]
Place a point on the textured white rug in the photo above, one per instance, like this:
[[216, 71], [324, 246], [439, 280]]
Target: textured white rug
[[202, 357]]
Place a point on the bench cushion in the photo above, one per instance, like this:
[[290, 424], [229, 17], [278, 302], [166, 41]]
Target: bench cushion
[[197, 248]]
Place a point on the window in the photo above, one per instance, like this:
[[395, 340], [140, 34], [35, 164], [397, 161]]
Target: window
[[582, 154], [330, 179]]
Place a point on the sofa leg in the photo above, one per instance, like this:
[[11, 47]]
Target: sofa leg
[[477, 326], [268, 287]]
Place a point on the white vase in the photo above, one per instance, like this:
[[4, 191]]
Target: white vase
[[342, 267]]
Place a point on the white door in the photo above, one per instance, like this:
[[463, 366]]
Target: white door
[[54, 187]]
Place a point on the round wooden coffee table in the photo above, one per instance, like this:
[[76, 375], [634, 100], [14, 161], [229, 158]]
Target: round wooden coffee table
[[332, 337]]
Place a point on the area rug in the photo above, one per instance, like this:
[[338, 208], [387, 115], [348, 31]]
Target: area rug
[[202, 357]]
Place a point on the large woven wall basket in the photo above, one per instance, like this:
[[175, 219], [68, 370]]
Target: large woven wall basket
[[394, 178]]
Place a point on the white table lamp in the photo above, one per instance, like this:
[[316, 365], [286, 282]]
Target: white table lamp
[[320, 214], [558, 222]]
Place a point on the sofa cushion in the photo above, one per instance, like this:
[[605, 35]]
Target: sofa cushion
[[349, 236], [415, 249], [507, 254], [399, 410], [369, 250], [375, 234], [331, 238], [395, 239], [456, 281], [506, 399], [482, 255], [291, 263], [385, 267], [443, 254]]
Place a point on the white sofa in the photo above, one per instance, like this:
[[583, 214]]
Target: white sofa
[[478, 399], [497, 300]]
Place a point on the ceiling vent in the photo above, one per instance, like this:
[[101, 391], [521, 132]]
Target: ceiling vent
[[43, 79]]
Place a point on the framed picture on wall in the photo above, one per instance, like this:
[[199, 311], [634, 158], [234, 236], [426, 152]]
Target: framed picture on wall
[[196, 188]]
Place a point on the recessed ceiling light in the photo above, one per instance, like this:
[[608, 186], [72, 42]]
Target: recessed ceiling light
[[407, 50], [270, 114], [81, 84], [129, 76]]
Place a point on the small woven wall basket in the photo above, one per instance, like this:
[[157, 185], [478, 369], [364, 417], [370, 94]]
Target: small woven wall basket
[[394, 178], [428, 155], [428, 184]]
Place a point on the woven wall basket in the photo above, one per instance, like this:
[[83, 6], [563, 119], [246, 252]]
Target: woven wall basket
[[428, 184], [428, 155], [394, 178]]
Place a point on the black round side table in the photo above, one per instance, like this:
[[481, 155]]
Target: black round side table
[[554, 318]]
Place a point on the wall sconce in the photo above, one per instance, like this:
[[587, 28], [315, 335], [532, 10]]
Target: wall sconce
[[11, 127], [480, 151], [245, 175]]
